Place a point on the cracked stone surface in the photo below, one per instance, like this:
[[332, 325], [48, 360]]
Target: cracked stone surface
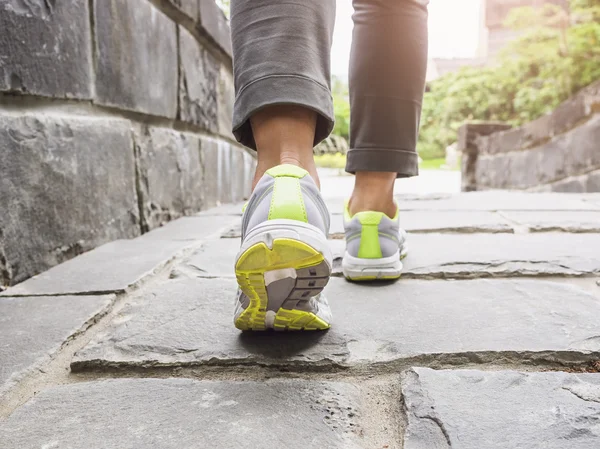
[[481, 255], [358, 385], [467, 409], [170, 173], [189, 321], [142, 74], [454, 255], [45, 48], [544, 221], [198, 83], [33, 329], [184, 413], [79, 174], [115, 266], [109, 268]]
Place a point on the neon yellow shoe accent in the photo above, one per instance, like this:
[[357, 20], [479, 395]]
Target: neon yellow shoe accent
[[369, 235], [290, 170], [250, 269], [287, 201], [347, 215]]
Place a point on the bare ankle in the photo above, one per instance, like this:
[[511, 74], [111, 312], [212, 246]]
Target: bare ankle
[[373, 191], [307, 163], [284, 135]]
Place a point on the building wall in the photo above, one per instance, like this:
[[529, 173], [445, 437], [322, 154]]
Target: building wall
[[494, 13], [115, 117]]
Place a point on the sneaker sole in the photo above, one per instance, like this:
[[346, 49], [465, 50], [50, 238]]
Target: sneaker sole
[[365, 270], [306, 271]]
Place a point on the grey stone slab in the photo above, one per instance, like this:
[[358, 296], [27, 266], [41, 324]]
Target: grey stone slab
[[227, 172], [185, 413], [45, 48], [170, 175], [491, 200], [499, 200], [593, 181], [198, 83], [226, 98], [467, 409], [570, 154], [189, 7], [189, 320], [136, 57], [424, 222], [455, 255], [214, 24], [544, 221], [67, 185], [468, 144], [215, 257], [446, 221], [576, 184], [233, 232], [109, 268], [192, 228], [33, 329], [588, 182], [477, 255], [226, 209]]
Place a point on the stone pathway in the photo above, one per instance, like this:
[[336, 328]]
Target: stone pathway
[[491, 340]]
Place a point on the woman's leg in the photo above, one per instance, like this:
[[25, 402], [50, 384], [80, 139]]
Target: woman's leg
[[281, 60], [388, 64]]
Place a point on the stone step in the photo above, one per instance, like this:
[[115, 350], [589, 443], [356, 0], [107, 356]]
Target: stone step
[[492, 200], [563, 221], [466, 409], [184, 413], [468, 222], [33, 329], [455, 255], [425, 222], [189, 321], [116, 266]]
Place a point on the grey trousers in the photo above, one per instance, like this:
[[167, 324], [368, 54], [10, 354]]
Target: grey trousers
[[281, 52]]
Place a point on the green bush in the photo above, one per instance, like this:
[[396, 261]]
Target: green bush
[[341, 108], [558, 54]]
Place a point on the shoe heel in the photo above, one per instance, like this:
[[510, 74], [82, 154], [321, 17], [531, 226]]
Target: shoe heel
[[279, 276]]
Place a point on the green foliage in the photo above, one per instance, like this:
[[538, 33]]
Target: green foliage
[[329, 160], [225, 6], [557, 54], [341, 108]]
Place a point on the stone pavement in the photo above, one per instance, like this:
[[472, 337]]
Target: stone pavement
[[491, 340]]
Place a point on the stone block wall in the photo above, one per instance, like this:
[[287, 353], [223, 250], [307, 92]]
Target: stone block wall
[[115, 117], [558, 152]]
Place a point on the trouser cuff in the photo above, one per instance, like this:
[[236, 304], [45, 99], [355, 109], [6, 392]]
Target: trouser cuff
[[404, 163], [282, 90]]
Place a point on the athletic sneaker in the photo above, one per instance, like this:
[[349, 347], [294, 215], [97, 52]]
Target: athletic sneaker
[[375, 245], [284, 262]]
